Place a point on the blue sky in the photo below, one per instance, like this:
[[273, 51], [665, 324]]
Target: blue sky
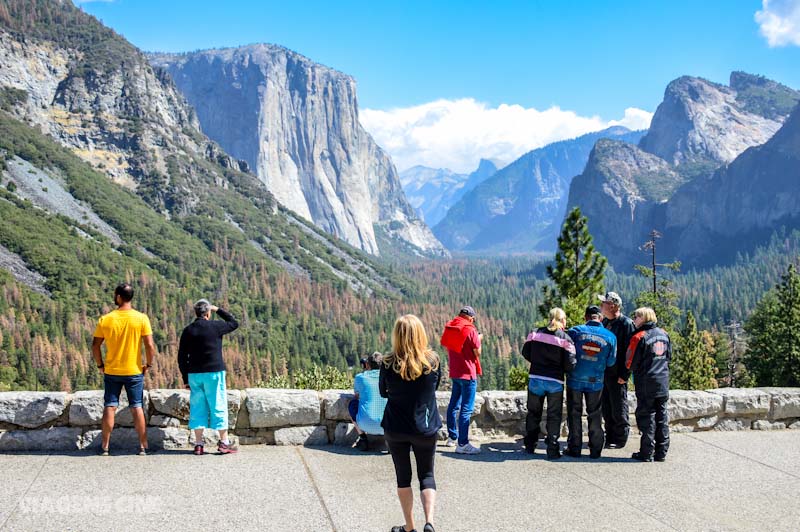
[[595, 59]]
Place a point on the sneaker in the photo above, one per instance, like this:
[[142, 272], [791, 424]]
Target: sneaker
[[226, 448], [143, 451], [641, 457], [428, 528], [451, 442], [363, 443], [199, 450], [104, 452], [467, 448]]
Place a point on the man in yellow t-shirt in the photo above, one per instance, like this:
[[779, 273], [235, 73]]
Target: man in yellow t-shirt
[[123, 331]]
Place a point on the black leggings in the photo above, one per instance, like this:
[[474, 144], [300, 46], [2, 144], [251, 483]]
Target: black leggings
[[400, 446]]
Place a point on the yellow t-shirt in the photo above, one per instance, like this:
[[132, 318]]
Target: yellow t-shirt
[[123, 331]]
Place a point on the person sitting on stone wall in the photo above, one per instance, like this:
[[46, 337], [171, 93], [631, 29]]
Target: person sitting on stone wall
[[366, 410]]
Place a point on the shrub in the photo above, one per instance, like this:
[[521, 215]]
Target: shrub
[[518, 378]]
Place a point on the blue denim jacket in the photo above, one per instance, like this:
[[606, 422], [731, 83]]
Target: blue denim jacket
[[596, 350]]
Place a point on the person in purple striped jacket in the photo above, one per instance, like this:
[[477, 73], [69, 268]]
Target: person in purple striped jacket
[[551, 353]]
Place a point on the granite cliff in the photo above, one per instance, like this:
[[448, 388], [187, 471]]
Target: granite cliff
[[679, 180], [296, 123]]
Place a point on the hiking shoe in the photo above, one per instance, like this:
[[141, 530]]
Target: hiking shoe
[[104, 452], [574, 453], [641, 457], [199, 450], [467, 448], [451, 442], [363, 443], [428, 528], [226, 448]]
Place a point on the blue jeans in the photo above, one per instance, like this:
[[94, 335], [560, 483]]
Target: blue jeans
[[462, 403], [542, 387], [134, 389]]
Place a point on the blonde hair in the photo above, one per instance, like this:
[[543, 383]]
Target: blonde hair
[[646, 313], [558, 319], [411, 356]]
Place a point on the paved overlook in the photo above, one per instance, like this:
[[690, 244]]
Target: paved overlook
[[745, 480], [734, 464]]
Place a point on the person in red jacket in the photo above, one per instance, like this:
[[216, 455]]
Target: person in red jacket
[[463, 344]]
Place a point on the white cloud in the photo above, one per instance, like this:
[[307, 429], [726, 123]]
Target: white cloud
[[779, 21], [456, 134]]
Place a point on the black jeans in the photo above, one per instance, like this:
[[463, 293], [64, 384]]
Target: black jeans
[[400, 446], [615, 411], [594, 417], [653, 420], [555, 402]]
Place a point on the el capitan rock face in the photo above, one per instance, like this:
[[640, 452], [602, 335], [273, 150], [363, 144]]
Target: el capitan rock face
[[296, 123]]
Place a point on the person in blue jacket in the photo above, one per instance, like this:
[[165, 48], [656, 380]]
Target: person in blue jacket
[[595, 350]]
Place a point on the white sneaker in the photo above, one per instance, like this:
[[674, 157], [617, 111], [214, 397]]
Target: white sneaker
[[467, 448], [451, 442]]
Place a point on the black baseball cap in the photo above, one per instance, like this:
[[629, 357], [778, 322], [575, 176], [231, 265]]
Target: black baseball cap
[[593, 310], [467, 311]]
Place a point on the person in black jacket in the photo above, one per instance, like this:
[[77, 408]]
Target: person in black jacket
[[648, 357], [203, 371], [408, 378], [551, 354], [615, 382]]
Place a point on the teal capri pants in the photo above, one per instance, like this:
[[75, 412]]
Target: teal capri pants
[[208, 402]]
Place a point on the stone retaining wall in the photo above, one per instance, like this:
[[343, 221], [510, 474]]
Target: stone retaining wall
[[58, 421]]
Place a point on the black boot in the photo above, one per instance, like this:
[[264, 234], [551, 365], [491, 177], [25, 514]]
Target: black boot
[[531, 441], [553, 448]]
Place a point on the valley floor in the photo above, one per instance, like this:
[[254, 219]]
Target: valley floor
[[711, 481]]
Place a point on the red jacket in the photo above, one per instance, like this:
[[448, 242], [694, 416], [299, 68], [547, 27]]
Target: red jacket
[[460, 337]]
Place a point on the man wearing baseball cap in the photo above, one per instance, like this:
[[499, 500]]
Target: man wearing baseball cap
[[595, 350], [463, 344], [615, 382]]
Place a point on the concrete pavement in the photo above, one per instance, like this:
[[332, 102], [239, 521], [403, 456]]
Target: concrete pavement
[[746, 480]]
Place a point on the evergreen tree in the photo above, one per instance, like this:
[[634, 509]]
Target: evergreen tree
[[693, 366], [773, 353], [578, 272]]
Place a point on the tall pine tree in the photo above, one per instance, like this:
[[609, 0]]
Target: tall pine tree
[[773, 351], [578, 271], [693, 366]]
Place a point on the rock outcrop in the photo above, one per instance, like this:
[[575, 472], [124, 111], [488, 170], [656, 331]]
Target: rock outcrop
[[741, 204], [716, 174], [296, 123], [700, 121]]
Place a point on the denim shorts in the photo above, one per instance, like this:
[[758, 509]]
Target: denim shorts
[[134, 388]]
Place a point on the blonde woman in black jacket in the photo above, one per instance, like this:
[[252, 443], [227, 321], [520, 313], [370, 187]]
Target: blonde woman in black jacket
[[409, 378]]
